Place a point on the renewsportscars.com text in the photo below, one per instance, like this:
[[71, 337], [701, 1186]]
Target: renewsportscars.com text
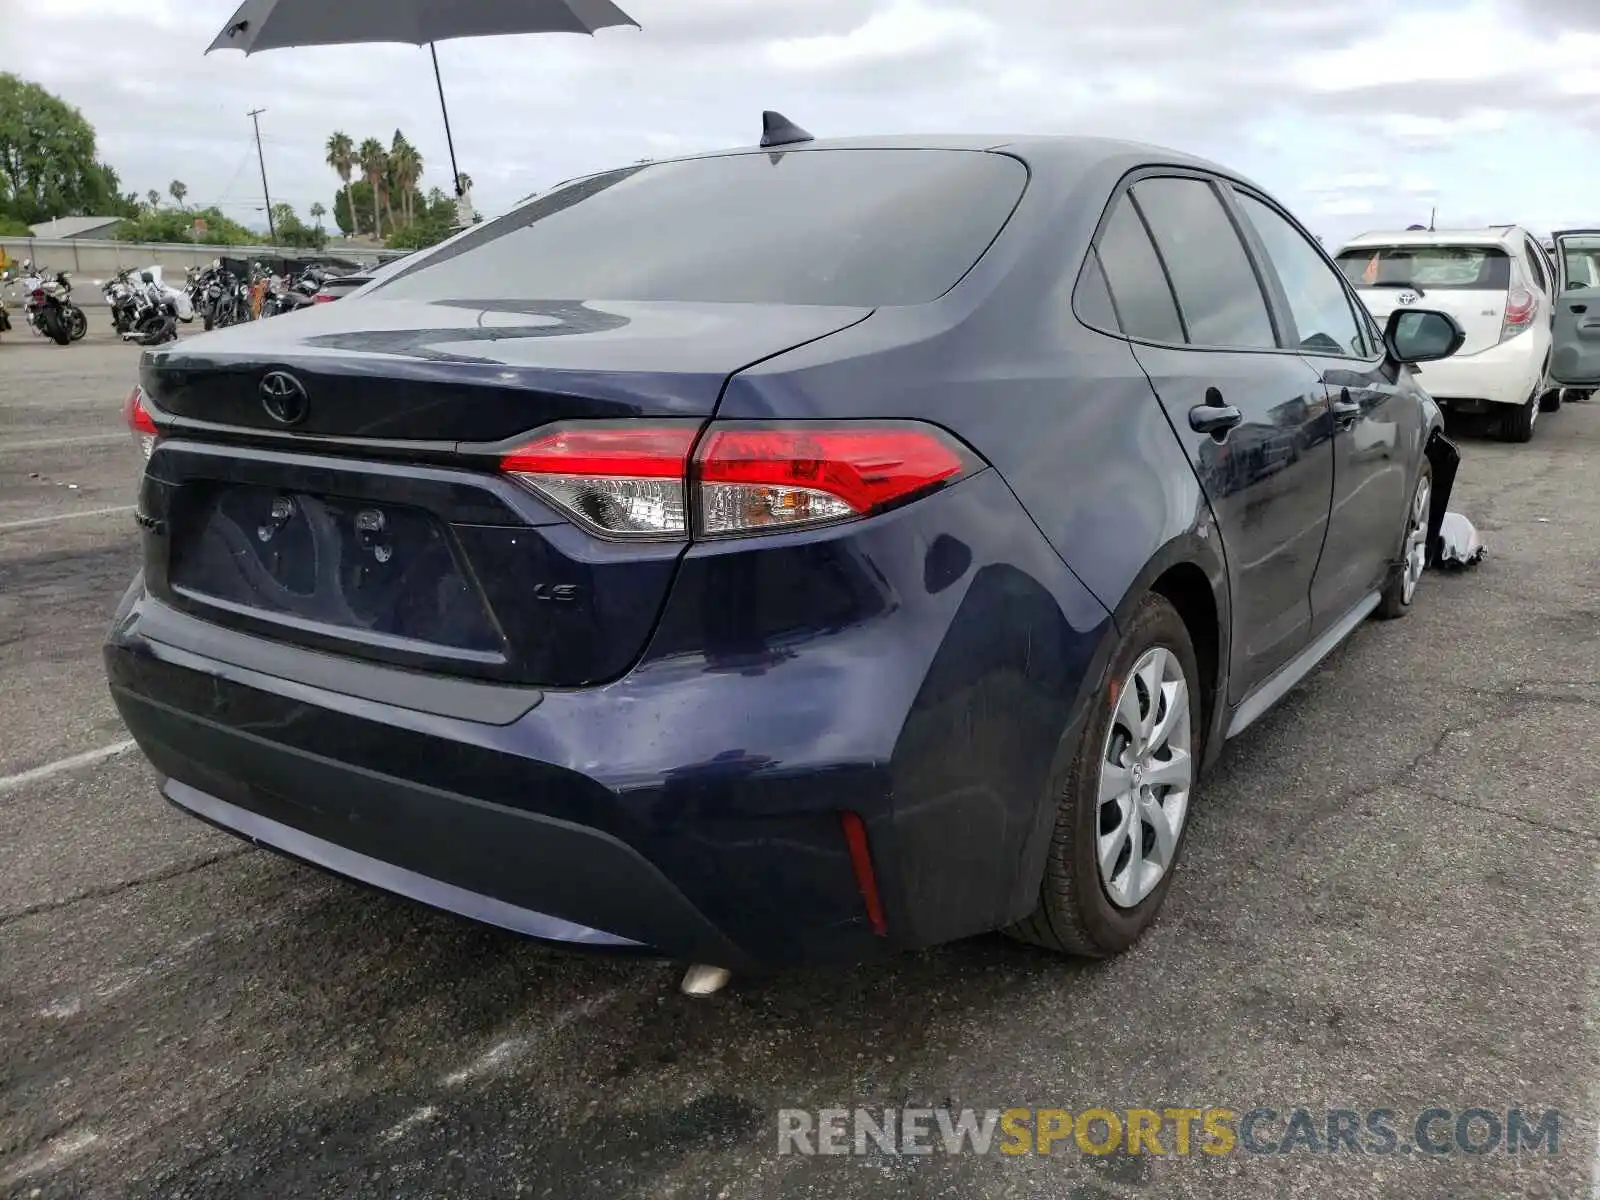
[[1169, 1131]]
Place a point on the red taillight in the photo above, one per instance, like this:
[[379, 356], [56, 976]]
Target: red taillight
[[1522, 306], [620, 480], [139, 421], [635, 480], [322, 298], [38, 294], [755, 478]]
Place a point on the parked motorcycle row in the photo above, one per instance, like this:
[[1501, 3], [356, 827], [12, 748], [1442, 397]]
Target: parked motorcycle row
[[145, 309]]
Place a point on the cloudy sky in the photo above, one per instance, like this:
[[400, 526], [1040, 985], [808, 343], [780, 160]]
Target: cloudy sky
[[1358, 113]]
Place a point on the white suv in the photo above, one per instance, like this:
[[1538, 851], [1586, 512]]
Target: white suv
[[1500, 286]]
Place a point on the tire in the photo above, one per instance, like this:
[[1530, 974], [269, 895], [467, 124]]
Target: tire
[[1517, 425], [1551, 401], [55, 327], [207, 323], [1400, 588], [1076, 913], [77, 323]]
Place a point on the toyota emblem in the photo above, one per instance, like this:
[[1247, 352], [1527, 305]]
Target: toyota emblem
[[1408, 297], [284, 397]]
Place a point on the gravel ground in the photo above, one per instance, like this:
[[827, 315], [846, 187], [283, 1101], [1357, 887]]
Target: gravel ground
[[1388, 901]]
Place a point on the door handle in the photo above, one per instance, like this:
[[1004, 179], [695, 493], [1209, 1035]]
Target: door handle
[[1580, 308], [1214, 418], [1344, 410]]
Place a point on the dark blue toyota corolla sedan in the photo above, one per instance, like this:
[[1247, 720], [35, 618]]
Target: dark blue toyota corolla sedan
[[785, 555]]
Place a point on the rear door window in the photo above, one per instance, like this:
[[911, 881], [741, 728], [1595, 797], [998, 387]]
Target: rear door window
[[1217, 289], [863, 227], [1446, 268], [1133, 272]]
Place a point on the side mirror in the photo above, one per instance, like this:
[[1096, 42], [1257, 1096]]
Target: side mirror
[[1417, 335]]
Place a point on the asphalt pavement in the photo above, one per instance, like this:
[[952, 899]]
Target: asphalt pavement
[[1388, 901]]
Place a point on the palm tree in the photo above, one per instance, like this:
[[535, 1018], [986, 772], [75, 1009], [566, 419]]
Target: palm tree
[[317, 212], [342, 158], [154, 197], [178, 190], [464, 181], [374, 164], [406, 161]]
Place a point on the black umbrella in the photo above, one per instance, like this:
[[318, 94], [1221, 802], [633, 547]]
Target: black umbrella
[[272, 24]]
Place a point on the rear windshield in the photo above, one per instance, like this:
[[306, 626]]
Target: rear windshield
[[1459, 268], [854, 227]]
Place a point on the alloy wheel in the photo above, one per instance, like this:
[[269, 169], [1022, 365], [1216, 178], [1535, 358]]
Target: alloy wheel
[[1146, 770], [1416, 547]]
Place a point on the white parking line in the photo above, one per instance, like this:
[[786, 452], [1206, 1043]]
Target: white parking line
[[31, 522], [82, 439], [87, 758]]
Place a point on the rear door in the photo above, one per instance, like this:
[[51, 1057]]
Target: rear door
[[1377, 422], [1575, 361], [1247, 412], [1471, 282]]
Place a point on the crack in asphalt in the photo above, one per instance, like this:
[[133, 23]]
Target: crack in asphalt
[[101, 893], [1535, 822]]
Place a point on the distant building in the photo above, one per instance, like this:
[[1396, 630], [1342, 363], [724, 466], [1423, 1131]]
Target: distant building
[[77, 227]]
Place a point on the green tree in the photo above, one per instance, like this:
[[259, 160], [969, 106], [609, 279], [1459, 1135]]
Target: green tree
[[48, 164], [342, 158], [171, 225], [464, 181], [405, 164], [292, 231], [317, 212], [374, 163], [153, 197], [178, 189]]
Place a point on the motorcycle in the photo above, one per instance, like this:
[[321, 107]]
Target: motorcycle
[[218, 296], [121, 293], [160, 308], [50, 311], [5, 318]]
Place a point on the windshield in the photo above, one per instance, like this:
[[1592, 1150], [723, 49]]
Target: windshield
[[1460, 268], [861, 227]]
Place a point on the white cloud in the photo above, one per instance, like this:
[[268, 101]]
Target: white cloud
[[1489, 108]]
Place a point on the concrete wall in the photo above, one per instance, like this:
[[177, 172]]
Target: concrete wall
[[88, 260]]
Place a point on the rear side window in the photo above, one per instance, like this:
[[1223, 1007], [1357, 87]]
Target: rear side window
[[1216, 286], [856, 227], [1536, 264], [1139, 288], [1092, 298], [1446, 268]]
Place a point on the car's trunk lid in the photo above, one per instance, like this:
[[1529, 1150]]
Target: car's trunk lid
[[373, 522]]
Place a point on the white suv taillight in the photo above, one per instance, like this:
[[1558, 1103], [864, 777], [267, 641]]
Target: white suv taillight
[[1522, 306], [139, 421], [640, 481]]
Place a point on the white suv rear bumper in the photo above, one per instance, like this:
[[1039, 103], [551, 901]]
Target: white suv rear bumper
[[1505, 374]]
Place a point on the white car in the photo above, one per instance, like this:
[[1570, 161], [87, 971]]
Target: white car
[[1501, 287]]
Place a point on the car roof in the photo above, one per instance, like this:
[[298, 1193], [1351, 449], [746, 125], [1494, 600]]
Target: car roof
[[1500, 235], [1065, 154]]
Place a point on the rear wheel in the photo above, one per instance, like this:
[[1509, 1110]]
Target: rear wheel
[[1517, 425], [77, 323], [1122, 807], [1401, 587], [55, 327]]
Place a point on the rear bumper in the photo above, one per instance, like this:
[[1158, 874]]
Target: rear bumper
[[1505, 374], [693, 807]]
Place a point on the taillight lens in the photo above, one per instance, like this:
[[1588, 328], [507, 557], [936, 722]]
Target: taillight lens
[[139, 421], [619, 480], [637, 481], [752, 479], [1522, 306], [322, 298]]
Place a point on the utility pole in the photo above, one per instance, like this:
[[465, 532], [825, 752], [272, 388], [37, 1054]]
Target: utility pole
[[255, 119]]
